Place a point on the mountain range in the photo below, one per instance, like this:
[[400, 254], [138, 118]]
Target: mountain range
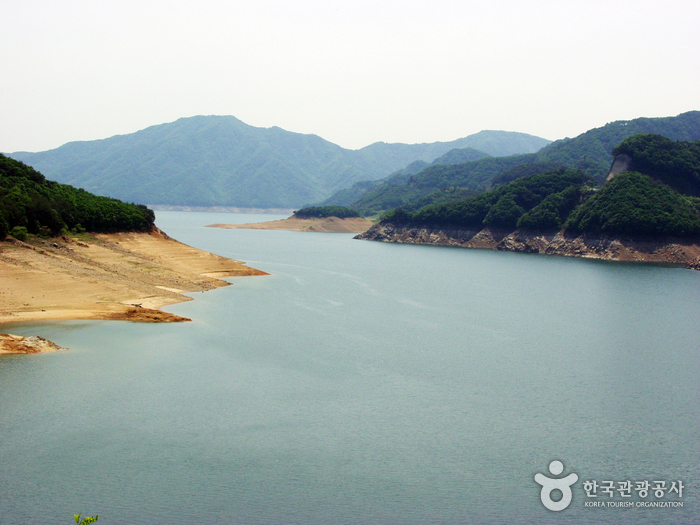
[[590, 152], [221, 161]]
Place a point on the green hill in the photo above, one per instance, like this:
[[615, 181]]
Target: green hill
[[221, 161], [590, 152], [504, 207], [401, 191], [31, 204], [637, 204], [659, 198], [674, 163]]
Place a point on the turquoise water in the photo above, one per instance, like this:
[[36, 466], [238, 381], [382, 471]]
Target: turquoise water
[[362, 382]]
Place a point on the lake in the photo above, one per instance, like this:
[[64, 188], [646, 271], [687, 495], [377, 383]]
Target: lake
[[366, 383]]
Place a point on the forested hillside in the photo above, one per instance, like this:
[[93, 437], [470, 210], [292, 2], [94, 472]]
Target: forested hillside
[[31, 204], [411, 200], [221, 161], [637, 204], [590, 152], [402, 191], [658, 198], [674, 163], [542, 201]]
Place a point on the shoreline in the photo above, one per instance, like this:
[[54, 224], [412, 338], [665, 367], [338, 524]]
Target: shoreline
[[323, 225], [670, 250], [18, 344], [221, 209], [118, 276]]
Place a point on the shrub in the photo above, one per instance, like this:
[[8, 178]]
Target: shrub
[[19, 233]]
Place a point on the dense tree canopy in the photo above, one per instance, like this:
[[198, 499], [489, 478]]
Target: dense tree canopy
[[661, 201], [505, 206], [33, 204], [672, 162], [590, 152], [403, 191], [326, 211], [636, 204]]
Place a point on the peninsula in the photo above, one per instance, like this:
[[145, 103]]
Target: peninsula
[[121, 276], [326, 219], [648, 209], [68, 254]]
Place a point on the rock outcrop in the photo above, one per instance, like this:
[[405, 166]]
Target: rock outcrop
[[669, 250], [621, 164], [18, 344]]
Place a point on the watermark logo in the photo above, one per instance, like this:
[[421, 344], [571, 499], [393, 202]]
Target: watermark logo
[[563, 485]]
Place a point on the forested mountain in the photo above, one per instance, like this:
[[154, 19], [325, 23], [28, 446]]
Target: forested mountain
[[590, 152], [674, 163], [402, 191], [460, 156], [221, 161], [505, 206], [31, 204], [353, 194], [658, 198]]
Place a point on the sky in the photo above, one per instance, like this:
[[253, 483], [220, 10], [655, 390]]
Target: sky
[[353, 72]]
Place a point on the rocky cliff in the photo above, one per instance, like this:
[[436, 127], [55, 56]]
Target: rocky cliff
[[668, 250]]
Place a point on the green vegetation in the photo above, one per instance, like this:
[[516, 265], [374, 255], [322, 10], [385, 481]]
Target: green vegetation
[[661, 201], [86, 520], [221, 161], [347, 196], [402, 192], [636, 204], [524, 170], [31, 204], [660, 197], [19, 232], [460, 156], [326, 211], [674, 163], [442, 196], [552, 212], [590, 152], [541, 199]]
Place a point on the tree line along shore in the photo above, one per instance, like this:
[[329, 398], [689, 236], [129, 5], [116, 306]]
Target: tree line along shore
[[649, 204], [68, 254]]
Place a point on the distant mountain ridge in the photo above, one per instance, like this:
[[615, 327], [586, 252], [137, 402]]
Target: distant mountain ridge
[[221, 161], [590, 152]]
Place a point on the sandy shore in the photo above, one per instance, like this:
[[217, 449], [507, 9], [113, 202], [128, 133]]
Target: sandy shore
[[123, 276], [326, 225]]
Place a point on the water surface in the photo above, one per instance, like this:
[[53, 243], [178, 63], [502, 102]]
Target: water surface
[[362, 382]]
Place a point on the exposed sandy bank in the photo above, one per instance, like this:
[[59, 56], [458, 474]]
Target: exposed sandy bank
[[671, 250], [122, 276], [327, 225]]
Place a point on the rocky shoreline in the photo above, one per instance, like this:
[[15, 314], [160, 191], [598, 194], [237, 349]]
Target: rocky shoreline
[[667, 250], [18, 344]]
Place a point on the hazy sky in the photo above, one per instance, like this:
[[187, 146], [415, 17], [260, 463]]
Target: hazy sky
[[353, 72]]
